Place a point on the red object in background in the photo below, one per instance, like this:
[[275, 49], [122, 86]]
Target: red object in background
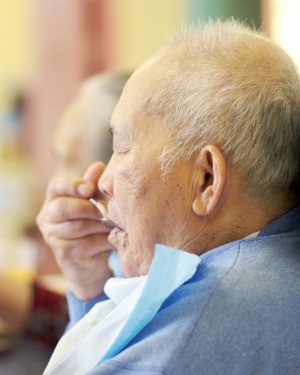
[[74, 40], [49, 316]]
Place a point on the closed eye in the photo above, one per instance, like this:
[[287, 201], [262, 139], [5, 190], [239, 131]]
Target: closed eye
[[122, 152], [110, 131]]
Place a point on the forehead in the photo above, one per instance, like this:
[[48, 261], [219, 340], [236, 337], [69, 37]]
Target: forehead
[[130, 113]]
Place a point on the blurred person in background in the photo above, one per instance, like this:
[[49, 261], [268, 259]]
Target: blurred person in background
[[82, 135]]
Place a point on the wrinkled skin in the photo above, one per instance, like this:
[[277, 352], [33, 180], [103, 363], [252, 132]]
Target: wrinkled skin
[[71, 227], [145, 207], [196, 206]]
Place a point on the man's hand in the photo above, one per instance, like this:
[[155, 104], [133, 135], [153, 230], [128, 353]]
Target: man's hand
[[70, 225]]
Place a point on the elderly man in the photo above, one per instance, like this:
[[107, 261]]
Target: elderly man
[[206, 160]]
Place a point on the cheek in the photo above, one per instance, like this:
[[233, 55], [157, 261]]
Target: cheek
[[132, 184], [148, 224]]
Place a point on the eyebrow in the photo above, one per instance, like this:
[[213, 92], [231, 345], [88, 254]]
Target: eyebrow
[[110, 131]]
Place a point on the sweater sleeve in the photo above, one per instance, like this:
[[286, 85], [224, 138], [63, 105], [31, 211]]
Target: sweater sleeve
[[78, 308]]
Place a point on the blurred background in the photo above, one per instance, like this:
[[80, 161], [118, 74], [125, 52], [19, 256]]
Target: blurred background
[[47, 49]]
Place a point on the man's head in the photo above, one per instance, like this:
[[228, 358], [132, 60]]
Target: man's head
[[205, 138], [226, 85], [82, 136]]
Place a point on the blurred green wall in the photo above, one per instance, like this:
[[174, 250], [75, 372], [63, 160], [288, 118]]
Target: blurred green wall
[[245, 10]]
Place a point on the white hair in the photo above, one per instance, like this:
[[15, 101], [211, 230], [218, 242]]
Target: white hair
[[230, 86]]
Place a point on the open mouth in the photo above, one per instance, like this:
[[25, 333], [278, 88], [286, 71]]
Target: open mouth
[[114, 236], [106, 220], [114, 224]]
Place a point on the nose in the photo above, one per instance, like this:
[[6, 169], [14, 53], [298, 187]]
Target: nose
[[105, 183]]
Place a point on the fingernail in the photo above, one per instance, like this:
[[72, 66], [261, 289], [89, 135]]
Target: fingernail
[[85, 188]]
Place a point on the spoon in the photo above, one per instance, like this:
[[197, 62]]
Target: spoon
[[104, 220]]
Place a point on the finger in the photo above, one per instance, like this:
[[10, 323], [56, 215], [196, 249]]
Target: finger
[[75, 251], [88, 257], [94, 172], [76, 229], [66, 208], [70, 186]]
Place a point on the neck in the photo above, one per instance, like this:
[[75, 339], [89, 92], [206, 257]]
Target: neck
[[250, 215], [233, 222]]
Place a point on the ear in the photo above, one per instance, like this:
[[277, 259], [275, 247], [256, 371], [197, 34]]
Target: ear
[[210, 171]]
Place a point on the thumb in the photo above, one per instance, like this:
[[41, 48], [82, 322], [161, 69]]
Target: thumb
[[94, 172]]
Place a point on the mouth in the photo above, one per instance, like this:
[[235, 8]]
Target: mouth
[[106, 220], [114, 224], [118, 238], [116, 234]]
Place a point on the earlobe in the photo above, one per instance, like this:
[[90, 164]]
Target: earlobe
[[210, 169]]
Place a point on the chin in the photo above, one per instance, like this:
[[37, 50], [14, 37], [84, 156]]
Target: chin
[[134, 269]]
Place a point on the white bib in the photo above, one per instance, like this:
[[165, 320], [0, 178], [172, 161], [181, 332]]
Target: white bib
[[111, 325]]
